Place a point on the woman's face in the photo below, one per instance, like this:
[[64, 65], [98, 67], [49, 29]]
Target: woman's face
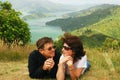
[[66, 50]]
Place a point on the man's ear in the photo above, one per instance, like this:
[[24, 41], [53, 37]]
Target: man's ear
[[41, 50]]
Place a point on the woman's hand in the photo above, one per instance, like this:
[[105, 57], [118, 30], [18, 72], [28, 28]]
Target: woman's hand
[[70, 64], [65, 59]]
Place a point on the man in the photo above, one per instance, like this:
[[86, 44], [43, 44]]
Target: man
[[43, 63]]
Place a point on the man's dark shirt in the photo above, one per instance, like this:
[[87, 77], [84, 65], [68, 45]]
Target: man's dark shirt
[[35, 64]]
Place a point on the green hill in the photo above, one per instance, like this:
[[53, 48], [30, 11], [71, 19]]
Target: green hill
[[108, 27], [94, 26], [89, 11], [84, 18]]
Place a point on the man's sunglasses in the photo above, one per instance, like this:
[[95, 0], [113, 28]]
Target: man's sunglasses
[[50, 48], [66, 48]]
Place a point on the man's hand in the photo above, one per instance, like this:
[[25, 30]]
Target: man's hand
[[48, 64]]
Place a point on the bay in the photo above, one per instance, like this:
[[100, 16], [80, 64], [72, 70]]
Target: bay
[[38, 29]]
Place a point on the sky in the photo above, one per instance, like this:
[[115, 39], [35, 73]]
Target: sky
[[78, 2]]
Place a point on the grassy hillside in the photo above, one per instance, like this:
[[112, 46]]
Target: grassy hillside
[[96, 34], [109, 26]]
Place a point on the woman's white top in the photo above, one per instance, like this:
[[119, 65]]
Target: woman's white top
[[81, 63]]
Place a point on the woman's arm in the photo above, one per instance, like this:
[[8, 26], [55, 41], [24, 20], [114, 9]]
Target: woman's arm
[[61, 72], [61, 68], [74, 72]]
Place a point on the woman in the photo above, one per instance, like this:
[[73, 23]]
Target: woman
[[73, 60]]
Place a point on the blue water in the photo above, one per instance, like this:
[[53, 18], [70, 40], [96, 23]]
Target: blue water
[[38, 29]]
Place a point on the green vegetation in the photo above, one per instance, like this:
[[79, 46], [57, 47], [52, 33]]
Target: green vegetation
[[13, 30], [93, 38], [108, 27]]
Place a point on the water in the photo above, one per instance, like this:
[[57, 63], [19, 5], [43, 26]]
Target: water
[[38, 29]]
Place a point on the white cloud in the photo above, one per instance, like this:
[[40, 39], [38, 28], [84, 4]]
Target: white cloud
[[77, 2]]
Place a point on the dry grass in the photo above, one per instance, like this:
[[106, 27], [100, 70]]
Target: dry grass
[[14, 71], [15, 53], [104, 65], [13, 62]]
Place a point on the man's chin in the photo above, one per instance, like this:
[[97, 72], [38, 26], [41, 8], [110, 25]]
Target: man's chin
[[52, 56]]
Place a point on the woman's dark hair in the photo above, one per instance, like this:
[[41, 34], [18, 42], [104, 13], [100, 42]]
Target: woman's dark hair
[[76, 45], [42, 41]]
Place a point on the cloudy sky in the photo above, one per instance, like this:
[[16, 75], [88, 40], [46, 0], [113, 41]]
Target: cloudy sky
[[78, 2]]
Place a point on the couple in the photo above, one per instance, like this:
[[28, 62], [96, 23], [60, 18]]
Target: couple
[[46, 62]]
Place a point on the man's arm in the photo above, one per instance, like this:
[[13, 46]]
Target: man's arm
[[35, 71]]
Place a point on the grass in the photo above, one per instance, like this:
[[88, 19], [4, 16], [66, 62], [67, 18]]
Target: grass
[[14, 70], [15, 53], [104, 65]]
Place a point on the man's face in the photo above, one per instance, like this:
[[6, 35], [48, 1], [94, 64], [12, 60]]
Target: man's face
[[49, 50]]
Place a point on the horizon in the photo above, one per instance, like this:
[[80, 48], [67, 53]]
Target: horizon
[[75, 2]]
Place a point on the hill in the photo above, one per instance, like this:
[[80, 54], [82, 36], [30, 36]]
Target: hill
[[94, 25], [84, 18], [41, 8], [106, 28]]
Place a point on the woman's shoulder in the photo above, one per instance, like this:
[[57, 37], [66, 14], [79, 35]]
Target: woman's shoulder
[[85, 56], [61, 57], [81, 62]]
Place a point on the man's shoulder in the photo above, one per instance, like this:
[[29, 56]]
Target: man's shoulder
[[34, 52], [57, 53]]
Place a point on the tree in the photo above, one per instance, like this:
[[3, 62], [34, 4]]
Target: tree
[[13, 29]]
